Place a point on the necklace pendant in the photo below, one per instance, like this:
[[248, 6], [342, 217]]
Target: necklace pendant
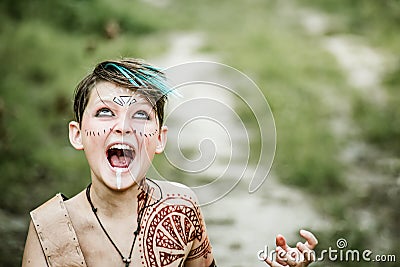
[[126, 261]]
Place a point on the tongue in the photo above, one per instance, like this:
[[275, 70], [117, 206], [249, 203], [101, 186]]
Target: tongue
[[120, 161]]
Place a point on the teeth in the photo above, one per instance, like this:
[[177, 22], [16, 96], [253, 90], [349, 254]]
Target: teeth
[[121, 146]]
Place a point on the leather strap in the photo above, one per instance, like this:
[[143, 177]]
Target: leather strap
[[213, 264], [56, 234]]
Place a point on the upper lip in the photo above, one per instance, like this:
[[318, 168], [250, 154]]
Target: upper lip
[[121, 145]]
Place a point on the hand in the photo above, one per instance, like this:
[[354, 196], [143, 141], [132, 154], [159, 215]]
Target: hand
[[300, 256]]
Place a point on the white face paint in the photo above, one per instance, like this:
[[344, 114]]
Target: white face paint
[[118, 175]]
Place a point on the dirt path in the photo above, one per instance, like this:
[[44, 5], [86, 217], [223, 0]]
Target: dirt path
[[239, 224]]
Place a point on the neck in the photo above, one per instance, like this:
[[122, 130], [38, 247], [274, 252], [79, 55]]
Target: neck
[[116, 204]]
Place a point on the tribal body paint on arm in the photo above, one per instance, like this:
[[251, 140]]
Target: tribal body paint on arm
[[174, 233]]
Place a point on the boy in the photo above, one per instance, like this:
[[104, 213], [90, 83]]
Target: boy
[[122, 218]]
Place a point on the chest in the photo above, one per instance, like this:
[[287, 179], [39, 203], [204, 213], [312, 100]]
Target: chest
[[165, 239]]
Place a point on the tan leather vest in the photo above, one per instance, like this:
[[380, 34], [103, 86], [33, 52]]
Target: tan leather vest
[[57, 235]]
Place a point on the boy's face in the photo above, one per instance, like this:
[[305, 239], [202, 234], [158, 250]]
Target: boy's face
[[120, 134]]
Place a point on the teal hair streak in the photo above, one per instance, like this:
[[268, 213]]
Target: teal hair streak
[[148, 75]]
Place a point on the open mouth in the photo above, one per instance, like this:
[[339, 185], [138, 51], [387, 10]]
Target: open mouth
[[120, 155]]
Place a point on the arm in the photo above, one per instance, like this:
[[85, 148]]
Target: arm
[[200, 254], [300, 256], [201, 264], [33, 254], [203, 256]]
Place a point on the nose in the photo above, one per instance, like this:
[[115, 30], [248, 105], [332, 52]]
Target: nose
[[122, 127]]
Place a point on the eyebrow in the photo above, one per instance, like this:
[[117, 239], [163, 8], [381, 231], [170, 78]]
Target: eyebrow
[[101, 99], [109, 101]]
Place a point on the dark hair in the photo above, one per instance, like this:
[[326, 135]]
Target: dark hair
[[129, 73]]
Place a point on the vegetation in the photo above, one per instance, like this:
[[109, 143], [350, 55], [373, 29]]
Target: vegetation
[[378, 124], [47, 46]]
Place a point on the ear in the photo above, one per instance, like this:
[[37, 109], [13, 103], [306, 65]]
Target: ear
[[162, 140], [75, 137]]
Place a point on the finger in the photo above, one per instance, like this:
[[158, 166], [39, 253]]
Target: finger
[[291, 262], [311, 240], [301, 247], [281, 242], [281, 256], [308, 254], [272, 263], [288, 260]]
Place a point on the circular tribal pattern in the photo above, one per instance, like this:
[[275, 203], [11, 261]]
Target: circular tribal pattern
[[171, 229]]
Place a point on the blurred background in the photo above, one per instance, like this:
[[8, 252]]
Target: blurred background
[[330, 71]]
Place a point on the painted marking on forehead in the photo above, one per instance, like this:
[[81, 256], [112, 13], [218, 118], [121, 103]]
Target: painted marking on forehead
[[124, 100], [121, 96]]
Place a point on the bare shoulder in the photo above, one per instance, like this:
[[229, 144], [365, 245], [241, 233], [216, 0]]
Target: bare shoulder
[[180, 208], [177, 191]]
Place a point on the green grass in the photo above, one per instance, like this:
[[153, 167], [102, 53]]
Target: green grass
[[43, 61], [278, 58], [48, 46], [298, 77], [45, 49]]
